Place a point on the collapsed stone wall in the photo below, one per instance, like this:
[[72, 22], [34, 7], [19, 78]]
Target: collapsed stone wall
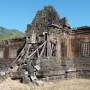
[[9, 50]]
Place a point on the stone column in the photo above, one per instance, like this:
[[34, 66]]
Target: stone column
[[71, 42], [58, 48]]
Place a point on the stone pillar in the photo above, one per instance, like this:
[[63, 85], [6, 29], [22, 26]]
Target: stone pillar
[[58, 48], [6, 51], [71, 47], [33, 37], [45, 37]]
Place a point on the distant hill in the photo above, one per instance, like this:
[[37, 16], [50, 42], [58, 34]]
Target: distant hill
[[9, 33]]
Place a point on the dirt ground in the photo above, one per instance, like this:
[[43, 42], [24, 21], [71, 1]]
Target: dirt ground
[[74, 84]]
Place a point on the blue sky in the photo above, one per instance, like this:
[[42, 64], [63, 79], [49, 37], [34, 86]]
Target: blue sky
[[16, 14]]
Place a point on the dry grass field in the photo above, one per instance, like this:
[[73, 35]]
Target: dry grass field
[[74, 84]]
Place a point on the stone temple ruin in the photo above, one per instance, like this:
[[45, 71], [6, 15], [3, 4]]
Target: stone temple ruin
[[50, 50]]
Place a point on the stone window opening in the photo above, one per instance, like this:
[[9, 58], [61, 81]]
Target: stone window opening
[[1, 52], [13, 52], [84, 49]]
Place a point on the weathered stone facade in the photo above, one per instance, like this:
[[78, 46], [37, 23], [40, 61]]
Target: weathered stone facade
[[67, 50]]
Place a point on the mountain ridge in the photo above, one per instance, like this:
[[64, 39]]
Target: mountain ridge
[[6, 34]]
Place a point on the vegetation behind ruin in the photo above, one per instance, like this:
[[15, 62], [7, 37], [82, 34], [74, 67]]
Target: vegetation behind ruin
[[6, 34]]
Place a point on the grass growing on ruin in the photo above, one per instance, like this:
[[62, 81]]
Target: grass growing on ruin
[[74, 84]]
